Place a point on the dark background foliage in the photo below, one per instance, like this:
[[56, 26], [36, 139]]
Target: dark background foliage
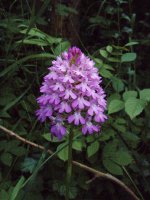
[[116, 34]]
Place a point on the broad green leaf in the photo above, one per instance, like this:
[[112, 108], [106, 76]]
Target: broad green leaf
[[113, 59], [112, 97], [92, 148], [105, 73], [6, 158], [109, 149], [90, 138], [63, 153], [113, 157], [115, 106], [131, 139], [106, 66], [120, 121], [120, 127], [98, 61], [17, 188], [109, 48], [107, 134], [103, 53], [118, 84], [145, 94], [134, 106], [109, 152], [128, 57], [129, 94], [123, 158], [112, 167], [77, 145]]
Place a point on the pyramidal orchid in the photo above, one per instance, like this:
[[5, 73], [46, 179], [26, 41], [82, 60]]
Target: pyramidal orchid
[[72, 94]]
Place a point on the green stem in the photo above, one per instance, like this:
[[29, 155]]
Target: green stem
[[132, 181], [69, 167]]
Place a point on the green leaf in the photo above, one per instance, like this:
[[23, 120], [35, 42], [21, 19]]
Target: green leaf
[[112, 167], [105, 73], [4, 195], [3, 144], [28, 165], [63, 46], [115, 106], [63, 10], [131, 139], [145, 94], [48, 137], [16, 64], [118, 84], [109, 48], [98, 61], [109, 150], [128, 57], [12, 103], [90, 138], [6, 97], [77, 145], [129, 94], [93, 148], [63, 153], [103, 53], [134, 106], [106, 66], [120, 127], [120, 121], [113, 59], [18, 151], [34, 32], [17, 188], [73, 192], [61, 188], [6, 158], [107, 134], [131, 44], [123, 158], [37, 42], [113, 96]]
